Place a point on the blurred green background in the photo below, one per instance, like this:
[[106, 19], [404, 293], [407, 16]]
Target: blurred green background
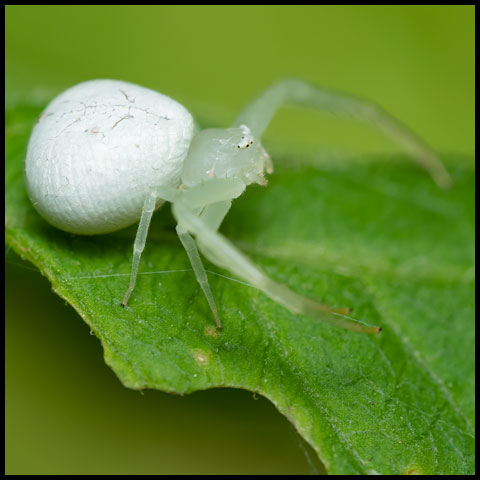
[[66, 413]]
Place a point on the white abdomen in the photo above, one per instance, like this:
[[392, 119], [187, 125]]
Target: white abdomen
[[98, 148]]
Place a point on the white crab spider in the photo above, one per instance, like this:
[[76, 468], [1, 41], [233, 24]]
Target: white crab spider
[[106, 153]]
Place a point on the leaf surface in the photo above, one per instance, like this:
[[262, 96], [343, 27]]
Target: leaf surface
[[375, 235]]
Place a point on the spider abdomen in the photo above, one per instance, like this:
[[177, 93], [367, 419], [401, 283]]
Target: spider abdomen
[[98, 148]]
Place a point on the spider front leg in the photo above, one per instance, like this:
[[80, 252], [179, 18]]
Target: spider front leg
[[215, 198], [191, 248], [213, 215], [223, 254], [258, 114]]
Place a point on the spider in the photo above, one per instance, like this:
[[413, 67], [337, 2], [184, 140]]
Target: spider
[[107, 153]]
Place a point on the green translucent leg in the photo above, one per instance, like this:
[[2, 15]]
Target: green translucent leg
[[213, 191], [139, 245], [223, 254], [190, 247], [258, 114], [214, 214], [214, 197], [151, 203]]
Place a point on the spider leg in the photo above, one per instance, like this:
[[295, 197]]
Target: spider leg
[[155, 199], [213, 214], [147, 212], [223, 254], [258, 114], [214, 198], [191, 248], [213, 191]]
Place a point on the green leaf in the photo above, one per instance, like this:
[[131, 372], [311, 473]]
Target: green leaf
[[374, 234]]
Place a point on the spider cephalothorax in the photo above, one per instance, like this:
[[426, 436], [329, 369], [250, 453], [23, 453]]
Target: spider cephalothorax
[[227, 153]]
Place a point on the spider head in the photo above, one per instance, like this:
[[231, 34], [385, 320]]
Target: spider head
[[226, 153]]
